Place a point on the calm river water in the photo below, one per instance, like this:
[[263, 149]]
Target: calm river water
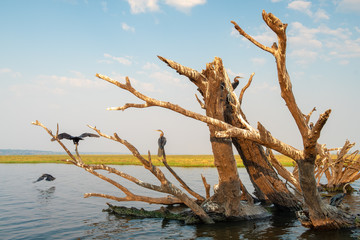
[[57, 210]]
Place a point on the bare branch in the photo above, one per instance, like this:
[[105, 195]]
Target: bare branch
[[207, 186], [230, 130], [311, 143], [202, 105], [130, 105], [183, 184], [166, 186], [243, 33], [192, 74], [164, 200], [37, 123], [283, 172], [246, 87], [307, 117]]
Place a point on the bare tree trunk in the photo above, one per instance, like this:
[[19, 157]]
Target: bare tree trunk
[[215, 94], [319, 215], [268, 186], [263, 175]]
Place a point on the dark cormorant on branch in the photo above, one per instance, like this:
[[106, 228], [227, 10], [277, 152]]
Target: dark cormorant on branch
[[337, 199], [45, 176], [75, 139], [161, 143], [236, 82]]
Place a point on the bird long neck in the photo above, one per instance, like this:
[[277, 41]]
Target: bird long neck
[[344, 188]]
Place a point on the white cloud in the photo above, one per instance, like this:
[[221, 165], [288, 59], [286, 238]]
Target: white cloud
[[233, 74], [79, 80], [104, 6], [349, 6], [304, 56], [122, 60], [151, 66], [322, 41], [126, 27], [302, 6], [9, 72], [344, 62], [299, 35], [321, 15], [275, 1], [264, 86], [184, 5], [267, 37], [167, 77], [142, 6], [21, 90], [139, 85]]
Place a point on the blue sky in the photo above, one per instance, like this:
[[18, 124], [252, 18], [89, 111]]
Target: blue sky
[[51, 50]]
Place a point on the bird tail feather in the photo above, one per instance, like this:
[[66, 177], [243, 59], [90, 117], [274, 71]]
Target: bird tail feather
[[161, 152]]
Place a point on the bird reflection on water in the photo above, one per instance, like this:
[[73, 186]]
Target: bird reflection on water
[[46, 195]]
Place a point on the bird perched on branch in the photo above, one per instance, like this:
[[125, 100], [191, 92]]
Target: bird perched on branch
[[45, 176], [236, 82], [337, 199], [75, 139], [161, 143]]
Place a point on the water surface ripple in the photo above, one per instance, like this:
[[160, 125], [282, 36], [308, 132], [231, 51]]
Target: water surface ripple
[[57, 210]]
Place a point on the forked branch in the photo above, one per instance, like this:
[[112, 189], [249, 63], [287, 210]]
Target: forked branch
[[229, 130]]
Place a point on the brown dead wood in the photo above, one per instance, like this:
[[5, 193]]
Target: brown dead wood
[[166, 186]]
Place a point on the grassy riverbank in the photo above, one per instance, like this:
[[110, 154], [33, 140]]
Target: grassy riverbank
[[173, 160]]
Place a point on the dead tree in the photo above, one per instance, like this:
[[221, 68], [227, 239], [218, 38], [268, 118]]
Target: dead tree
[[340, 170], [320, 215], [228, 125]]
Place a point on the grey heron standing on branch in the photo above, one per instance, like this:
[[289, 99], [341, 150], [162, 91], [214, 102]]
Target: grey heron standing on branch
[[161, 143]]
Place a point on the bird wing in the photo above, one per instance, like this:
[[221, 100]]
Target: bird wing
[[89, 135], [49, 177], [40, 178], [162, 142], [64, 135]]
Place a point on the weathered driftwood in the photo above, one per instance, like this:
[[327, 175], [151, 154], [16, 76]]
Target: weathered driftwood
[[185, 216]]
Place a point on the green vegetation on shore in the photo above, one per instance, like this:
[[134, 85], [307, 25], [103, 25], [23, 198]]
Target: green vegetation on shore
[[173, 160]]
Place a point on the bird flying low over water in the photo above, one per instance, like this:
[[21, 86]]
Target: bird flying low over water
[[75, 139], [45, 176], [161, 143]]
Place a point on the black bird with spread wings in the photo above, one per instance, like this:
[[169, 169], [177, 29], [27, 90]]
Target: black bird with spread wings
[[161, 143], [45, 176], [75, 139]]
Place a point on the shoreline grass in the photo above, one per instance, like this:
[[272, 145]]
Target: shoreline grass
[[173, 160]]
